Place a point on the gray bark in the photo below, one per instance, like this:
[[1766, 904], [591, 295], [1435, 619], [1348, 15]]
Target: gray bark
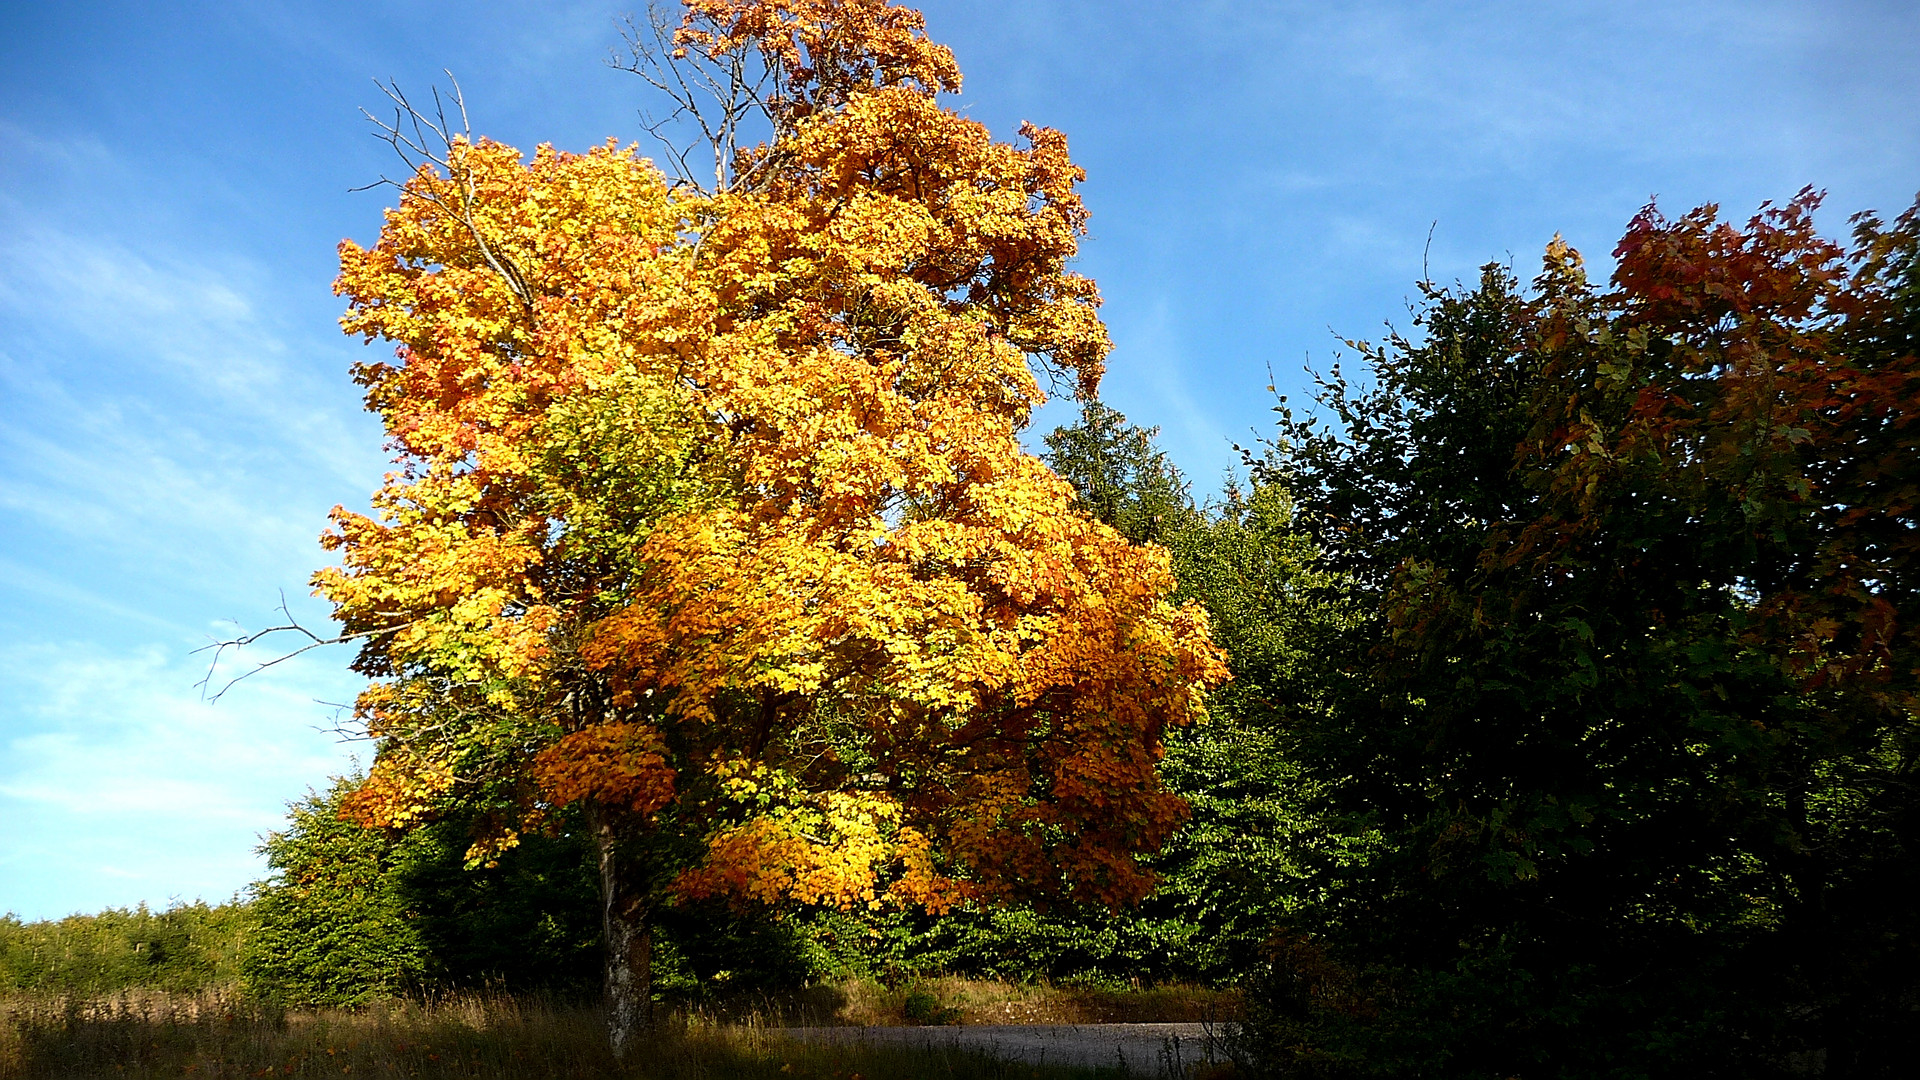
[[628, 935]]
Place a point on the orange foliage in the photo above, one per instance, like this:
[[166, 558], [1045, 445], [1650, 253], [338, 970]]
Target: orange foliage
[[825, 48], [616, 764], [1753, 378], [718, 502], [397, 791]]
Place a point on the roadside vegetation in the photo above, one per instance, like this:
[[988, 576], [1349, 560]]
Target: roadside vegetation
[[146, 1036]]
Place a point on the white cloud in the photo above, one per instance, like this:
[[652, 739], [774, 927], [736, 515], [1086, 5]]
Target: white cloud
[[134, 787], [173, 438]]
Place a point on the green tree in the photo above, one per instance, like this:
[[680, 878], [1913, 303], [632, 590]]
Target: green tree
[[1610, 685], [1120, 477], [335, 927], [1257, 847], [1245, 856]]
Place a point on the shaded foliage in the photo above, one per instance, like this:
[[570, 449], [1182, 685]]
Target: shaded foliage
[[1630, 700], [353, 914]]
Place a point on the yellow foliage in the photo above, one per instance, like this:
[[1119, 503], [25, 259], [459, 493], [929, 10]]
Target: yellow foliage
[[397, 790], [718, 502]]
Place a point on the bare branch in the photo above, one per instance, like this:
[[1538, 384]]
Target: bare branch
[[291, 626], [726, 98], [408, 134]]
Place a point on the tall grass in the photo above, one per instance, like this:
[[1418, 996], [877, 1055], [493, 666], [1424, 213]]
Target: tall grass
[[952, 1000], [138, 1035]]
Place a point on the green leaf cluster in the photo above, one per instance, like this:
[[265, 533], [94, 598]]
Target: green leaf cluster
[[351, 914], [1614, 826]]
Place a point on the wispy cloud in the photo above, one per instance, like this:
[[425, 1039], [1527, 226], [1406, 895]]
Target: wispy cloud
[[172, 442], [126, 322], [125, 784], [160, 416], [1154, 383], [60, 590]]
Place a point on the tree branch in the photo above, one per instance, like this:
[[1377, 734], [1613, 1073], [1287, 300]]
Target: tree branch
[[723, 96], [291, 626], [418, 150]]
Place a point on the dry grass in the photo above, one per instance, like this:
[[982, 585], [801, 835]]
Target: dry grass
[[861, 1002], [140, 1036]]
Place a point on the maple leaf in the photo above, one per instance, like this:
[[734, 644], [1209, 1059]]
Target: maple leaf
[[712, 516]]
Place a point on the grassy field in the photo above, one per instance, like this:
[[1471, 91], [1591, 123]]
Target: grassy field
[[213, 1035]]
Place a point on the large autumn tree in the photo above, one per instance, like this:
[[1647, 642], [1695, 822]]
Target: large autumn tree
[[711, 520]]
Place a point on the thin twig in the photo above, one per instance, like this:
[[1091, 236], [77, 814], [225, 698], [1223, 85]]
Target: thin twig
[[292, 625], [417, 151]]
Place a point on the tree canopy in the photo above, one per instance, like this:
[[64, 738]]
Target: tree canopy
[[711, 514], [1630, 700]]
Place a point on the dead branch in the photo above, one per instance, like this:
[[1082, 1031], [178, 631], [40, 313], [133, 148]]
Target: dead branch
[[728, 98], [428, 141], [291, 626]]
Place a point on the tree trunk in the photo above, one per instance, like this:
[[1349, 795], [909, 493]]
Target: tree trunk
[[628, 935]]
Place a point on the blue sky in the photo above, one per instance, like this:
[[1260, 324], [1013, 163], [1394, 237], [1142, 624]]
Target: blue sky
[[175, 416]]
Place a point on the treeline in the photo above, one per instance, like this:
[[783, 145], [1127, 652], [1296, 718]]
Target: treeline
[[350, 915], [184, 948]]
